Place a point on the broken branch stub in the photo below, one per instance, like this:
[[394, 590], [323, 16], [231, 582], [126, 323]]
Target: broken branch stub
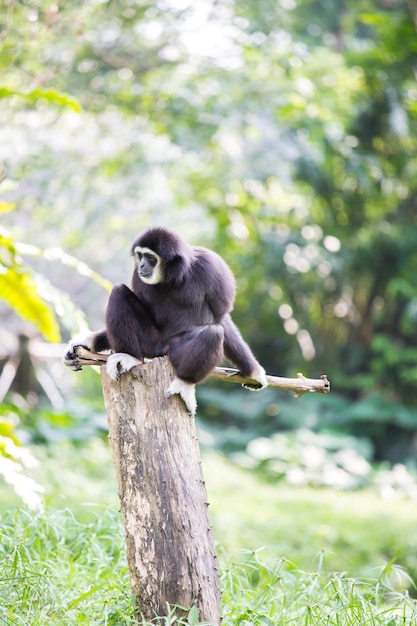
[[171, 551]]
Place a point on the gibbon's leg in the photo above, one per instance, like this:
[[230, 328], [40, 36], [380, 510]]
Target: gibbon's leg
[[193, 355], [238, 351], [131, 331]]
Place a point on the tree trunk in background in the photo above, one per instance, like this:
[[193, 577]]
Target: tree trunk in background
[[170, 546]]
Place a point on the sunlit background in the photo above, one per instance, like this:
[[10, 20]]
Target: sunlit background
[[283, 135]]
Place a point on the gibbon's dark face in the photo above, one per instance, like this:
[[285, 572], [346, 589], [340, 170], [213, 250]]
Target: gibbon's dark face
[[149, 265]]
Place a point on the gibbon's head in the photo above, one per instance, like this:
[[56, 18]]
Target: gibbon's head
[[161, 256]]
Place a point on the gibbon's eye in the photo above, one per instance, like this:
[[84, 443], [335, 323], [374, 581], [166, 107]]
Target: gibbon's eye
[[143, 254], [152, 260]]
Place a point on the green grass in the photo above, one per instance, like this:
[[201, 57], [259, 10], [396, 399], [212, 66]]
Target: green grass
[[57, 570], [255, 593], [289, 556]]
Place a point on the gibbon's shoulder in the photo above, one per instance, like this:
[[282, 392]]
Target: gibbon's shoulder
[[210, 260], [209, 266]]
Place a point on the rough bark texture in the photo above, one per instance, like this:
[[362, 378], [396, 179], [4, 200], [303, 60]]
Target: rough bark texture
[[170, 546]]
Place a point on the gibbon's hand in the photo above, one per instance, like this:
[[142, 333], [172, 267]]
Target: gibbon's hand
[[70, 358], [258, 375]]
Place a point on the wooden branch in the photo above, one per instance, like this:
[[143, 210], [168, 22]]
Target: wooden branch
[[299, 385]]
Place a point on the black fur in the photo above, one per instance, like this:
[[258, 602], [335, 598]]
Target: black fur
[[186, 316]]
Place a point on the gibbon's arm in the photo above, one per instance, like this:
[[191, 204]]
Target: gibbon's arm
[[238, 351], [219, 285]]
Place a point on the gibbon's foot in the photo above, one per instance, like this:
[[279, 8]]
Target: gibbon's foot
[[187, 393], [259, 375], [119, 363]]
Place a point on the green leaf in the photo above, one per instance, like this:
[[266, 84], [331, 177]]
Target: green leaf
[[374, 18], [6, 206], [7, 430], [50, 95], [193, 616], [19, 290]]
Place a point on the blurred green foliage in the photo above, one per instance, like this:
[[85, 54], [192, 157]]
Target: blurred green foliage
[[281, 134]]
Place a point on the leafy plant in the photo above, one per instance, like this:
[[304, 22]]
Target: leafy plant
[[34, 299]]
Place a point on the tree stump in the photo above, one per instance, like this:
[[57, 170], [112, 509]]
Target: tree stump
[[170, 545]]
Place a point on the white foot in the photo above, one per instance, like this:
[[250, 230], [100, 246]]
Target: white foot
[[119, 363], [187, 393]]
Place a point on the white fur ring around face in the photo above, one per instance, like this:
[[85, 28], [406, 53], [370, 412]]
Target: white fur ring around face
[[119, 363], [187, 393]]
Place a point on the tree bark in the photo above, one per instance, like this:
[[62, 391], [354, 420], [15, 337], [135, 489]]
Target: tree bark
[[170, 545]]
